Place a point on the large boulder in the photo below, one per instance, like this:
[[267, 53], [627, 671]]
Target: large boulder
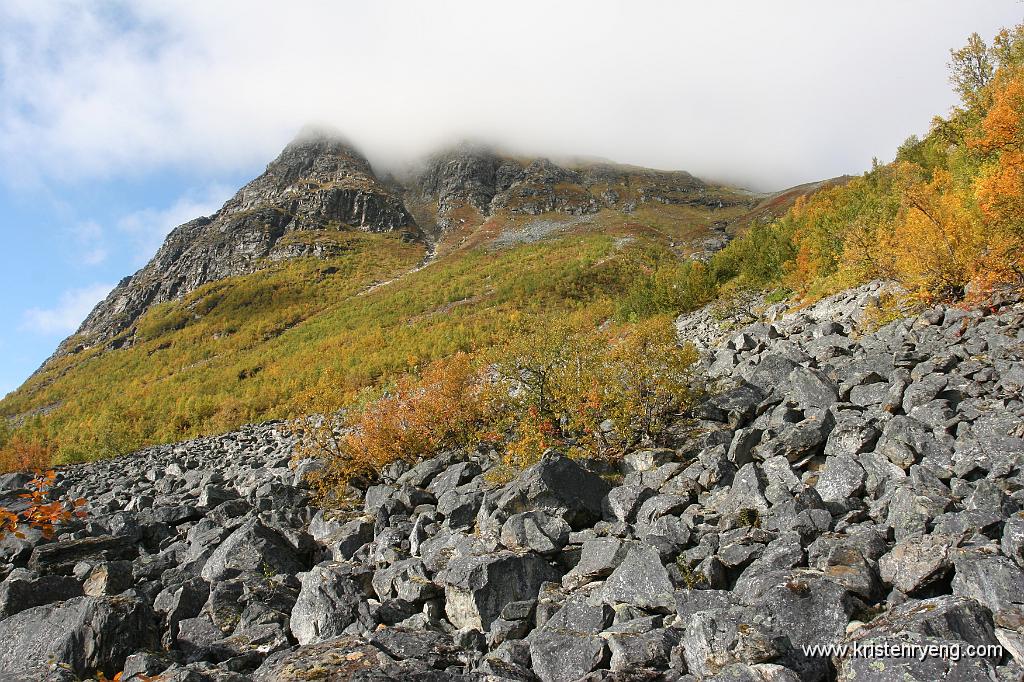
[[641, 580], [917, 563], [946, 623], [61, 557], [568, 645], [598, 558], [24, 589], [810, 388], [478, 587], [85, 634], [329, 602], [535, 531], [557, 484], [251, 547], [994, 581]]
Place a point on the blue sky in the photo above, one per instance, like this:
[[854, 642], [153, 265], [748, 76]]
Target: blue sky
[[119, 121]]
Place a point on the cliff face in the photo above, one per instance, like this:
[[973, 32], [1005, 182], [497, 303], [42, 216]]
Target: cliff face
[[481, 182], [317, 183]]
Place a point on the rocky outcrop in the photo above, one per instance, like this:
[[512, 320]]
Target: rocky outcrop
[[839, 486], [487, 182], [318, 182]]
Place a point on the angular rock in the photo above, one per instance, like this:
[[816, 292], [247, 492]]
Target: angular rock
[[24, 589], [84, 633], [917, 563], [623, 502], [535, 531], [994, 581], [477, 588], [557, 484], [108, 578], [641, 580], [251, 547], [568, 645], [810, 388], [841, 479], [643, 648], [60, 557], [599, 557], [328, 603]]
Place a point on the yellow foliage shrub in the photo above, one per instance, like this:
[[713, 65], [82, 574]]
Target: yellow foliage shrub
[[636, 377], [938, 243], [550, 388]]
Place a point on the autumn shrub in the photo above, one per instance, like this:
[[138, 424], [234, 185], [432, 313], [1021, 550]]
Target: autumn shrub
[[593, 389], [419, 414], [40, 511], [601, 390], [19, 453]]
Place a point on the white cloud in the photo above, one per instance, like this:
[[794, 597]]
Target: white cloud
[[775, 92], [65, 317], [148, 228], [88, 242]]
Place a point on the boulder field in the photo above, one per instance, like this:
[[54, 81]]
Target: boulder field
[[840, 485]]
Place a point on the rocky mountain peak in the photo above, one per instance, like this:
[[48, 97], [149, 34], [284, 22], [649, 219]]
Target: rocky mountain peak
[[319, 182]]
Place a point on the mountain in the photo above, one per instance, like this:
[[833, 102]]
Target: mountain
[[317, 183], [322, 271]]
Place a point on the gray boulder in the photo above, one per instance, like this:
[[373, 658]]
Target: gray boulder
[[917, 563], [912, 668], [568, 645], [1013, 539], [722, 636], [345, 540], [557, 484], [810, 388], [598, 558], [948, 618], [799, 441], [841, 479], [251, 547], [535, 531], [84, 634], [24, 589], [62, 556], [328, 603], [478, 587], [639, 644], [641, 580], [994, 581], [108, 578], [623, 502]]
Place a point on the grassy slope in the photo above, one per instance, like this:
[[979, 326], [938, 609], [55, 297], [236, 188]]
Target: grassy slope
[[249, 348]]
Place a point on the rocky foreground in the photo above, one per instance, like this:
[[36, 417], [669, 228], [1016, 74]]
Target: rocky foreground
[[838, 488]]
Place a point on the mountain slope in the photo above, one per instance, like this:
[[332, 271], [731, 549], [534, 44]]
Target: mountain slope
[[311, 279], [471, 195], [318, 182]]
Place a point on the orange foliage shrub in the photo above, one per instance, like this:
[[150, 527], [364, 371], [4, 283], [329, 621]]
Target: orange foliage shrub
[[41, 512], [1000, 188], [442, 407], [20, 454], [937, 245]]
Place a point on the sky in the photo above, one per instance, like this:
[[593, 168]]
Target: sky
[[121, 120]]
